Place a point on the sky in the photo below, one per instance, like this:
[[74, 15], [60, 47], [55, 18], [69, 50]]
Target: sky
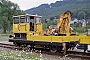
[[27, 4]]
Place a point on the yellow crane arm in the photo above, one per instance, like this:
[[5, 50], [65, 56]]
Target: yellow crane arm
[[63, 24]]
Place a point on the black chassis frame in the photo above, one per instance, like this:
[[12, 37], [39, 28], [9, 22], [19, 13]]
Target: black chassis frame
[[28, 42]]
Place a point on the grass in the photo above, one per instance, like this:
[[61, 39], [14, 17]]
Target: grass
[[17, 55], [4, 37]]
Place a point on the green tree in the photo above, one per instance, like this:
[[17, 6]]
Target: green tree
[[49, 22], [44, 26], [7, 10], [81, 15]]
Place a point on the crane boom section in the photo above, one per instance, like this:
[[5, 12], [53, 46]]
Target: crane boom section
[[63, 24]]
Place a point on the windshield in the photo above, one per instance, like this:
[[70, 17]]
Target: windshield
[[16, 20], [22, 19]]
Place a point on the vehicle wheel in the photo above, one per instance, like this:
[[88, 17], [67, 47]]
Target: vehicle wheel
[[53, 49], [59, 49], [16, 44]]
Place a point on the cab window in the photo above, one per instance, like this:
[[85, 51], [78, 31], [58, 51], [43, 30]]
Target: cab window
[[27, 19], [22, 19], [16, 20], [38, 20]]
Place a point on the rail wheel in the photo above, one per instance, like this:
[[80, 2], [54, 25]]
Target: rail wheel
[[16, 44], [53, 49], [59, 49], [32, 46]]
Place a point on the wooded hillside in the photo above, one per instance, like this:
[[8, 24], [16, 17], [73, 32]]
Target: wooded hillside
[[79, 8]]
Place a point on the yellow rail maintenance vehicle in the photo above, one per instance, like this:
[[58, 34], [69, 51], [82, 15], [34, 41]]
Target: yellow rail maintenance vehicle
[[27, 29]]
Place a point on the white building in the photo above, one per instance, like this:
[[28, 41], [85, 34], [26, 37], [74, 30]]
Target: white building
[[83, 23], [74, 21]]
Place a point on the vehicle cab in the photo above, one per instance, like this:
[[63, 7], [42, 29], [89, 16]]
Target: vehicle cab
[[24, 25]]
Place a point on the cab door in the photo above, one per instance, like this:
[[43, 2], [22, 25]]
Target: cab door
[[32, 23]]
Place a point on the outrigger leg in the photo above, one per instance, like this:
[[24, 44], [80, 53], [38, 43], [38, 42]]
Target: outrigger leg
[[64, 48]]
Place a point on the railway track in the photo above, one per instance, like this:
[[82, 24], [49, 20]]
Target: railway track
[[72, 54], [10, 46], [81, 55]]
